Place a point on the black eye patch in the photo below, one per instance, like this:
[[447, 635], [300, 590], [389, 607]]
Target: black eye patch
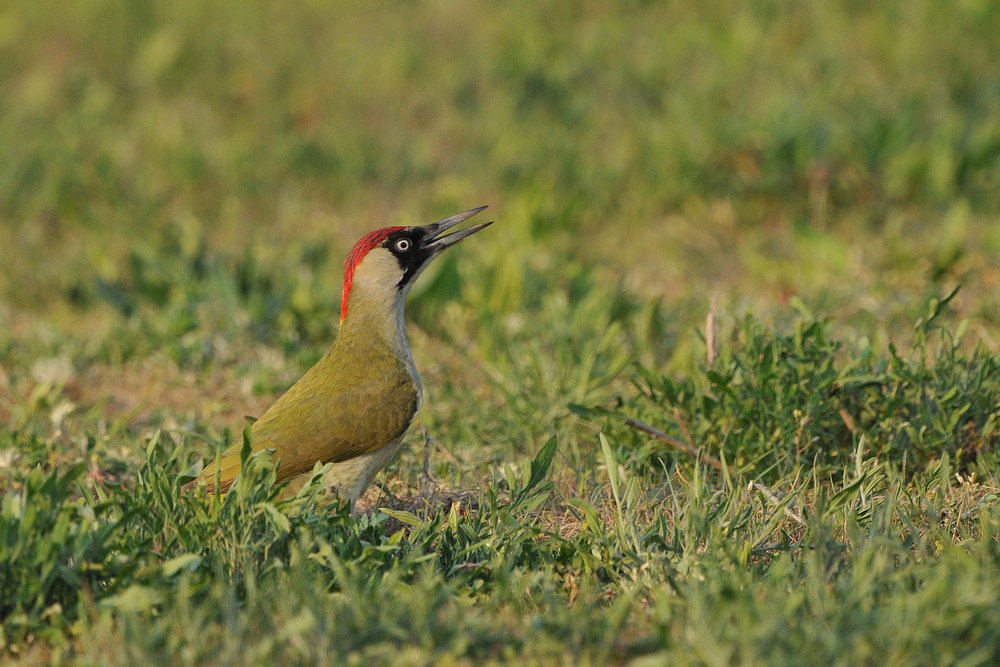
[[409, 252]]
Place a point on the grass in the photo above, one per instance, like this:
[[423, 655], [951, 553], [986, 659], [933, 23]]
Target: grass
[[604, 546], [179, 183]]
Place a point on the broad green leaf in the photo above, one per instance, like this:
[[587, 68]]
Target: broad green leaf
[[847, 494], [189, 562], [133, 599], [540, 464], [408, 518], [279, 519]]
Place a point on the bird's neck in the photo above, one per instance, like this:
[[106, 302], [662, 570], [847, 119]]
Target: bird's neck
[[375, 333], [373, 324]]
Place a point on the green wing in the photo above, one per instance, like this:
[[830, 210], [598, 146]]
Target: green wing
[[318, 421]]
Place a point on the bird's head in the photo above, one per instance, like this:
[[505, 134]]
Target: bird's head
[[383, 264]]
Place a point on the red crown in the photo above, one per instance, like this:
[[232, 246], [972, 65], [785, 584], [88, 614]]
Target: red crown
[[354, 257]]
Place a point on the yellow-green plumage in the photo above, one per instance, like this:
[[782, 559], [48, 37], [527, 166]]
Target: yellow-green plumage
[[317, 420], [354, 406]]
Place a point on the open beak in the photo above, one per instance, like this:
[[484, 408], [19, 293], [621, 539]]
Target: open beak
[[436, 243]]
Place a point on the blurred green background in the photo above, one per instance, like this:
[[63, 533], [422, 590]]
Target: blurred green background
[[180, 181], [216, 160]]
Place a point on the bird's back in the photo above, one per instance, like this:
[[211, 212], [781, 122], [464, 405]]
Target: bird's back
[[316, 420]]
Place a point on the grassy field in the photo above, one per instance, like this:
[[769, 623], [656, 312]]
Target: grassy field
[[179, 182]]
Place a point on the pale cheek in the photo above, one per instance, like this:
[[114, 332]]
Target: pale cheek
[[378, 275], [375, 285]]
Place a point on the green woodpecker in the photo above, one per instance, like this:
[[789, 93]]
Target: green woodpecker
[[354, 406]]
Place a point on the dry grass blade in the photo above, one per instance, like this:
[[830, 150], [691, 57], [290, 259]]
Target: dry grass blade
[[674, 442]]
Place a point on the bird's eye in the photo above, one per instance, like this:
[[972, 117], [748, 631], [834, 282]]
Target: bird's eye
[[402, 245]]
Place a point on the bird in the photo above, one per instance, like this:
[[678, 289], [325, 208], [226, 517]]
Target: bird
[[353, 408]]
